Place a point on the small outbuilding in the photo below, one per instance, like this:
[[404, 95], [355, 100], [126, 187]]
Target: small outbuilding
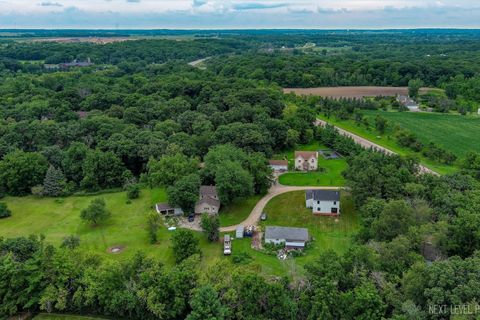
[[295, 238], [239, 232], [278, 165], [167, 210]]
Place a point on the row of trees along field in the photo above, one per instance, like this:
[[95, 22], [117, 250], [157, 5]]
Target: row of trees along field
[[416, 248]]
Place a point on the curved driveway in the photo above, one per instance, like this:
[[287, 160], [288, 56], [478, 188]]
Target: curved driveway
[[274, 191]]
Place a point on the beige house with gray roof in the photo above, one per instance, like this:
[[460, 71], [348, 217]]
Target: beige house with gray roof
[[306, 160], [209, 202]]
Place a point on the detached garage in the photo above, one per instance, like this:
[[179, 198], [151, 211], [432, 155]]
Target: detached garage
[[291, 237]]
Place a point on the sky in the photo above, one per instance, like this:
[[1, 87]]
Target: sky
[[239, 14]]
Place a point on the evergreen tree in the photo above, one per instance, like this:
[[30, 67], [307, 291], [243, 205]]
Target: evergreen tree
[[54, 182]]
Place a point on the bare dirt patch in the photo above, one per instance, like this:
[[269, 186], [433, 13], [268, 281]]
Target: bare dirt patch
[[351, 92], [116, 249]]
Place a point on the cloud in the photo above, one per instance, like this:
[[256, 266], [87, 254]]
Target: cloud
[[258, 6], [50, 4], [133, 1], [237, 14], [199, 3]]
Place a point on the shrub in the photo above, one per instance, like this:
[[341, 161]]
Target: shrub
[[133, 191], [4, 211]]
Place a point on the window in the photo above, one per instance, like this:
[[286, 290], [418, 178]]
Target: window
[[313, 160], [318, 202], [206, 208], [334, 210], [318, 209], [334, 202]]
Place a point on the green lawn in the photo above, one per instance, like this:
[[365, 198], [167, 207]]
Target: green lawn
[[237, 211], [288, 210], [388, 141], [332, 176], [57, 218]]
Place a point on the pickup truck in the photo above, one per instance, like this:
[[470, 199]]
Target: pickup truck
[[227, 245]]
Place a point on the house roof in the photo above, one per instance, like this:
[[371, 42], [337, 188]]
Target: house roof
[[287, 233], [210, 201], [278, 162], [323, 195], [208, 191], [163, 206], [306, 154]]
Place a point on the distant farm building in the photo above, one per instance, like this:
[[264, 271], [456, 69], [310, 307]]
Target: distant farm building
[[408, 103], [278, 165], [306, 160], [323, 202], [295, 238]]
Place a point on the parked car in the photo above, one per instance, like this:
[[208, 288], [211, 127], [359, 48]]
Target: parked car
[[191, 218], [263, 217]]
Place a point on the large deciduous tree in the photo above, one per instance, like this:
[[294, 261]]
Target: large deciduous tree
[[233, 182], [184, 192], [96, 212], [184, 245], [20, 171]]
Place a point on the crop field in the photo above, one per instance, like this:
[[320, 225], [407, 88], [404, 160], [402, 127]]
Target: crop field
[[351, 92], [456, 133]]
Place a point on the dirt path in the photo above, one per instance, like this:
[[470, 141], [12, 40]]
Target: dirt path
[[367, 144], [274, 191]]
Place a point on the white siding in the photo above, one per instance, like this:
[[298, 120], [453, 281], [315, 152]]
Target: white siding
[[297, 244], [274, 241], [324, 206]]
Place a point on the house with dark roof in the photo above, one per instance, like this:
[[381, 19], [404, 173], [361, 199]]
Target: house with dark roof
[[278, 165], [306, 160], [323, 202], [208, 202], [291, 237]]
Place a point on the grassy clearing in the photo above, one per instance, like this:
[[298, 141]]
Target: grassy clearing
[[289, 210], [237, 211], [57, 218], [388, 141], [332, 176]]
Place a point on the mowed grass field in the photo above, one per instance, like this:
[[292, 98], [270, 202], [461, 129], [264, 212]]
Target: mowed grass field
[[60, 217], [331, 176], [329, 233], [456, 133], [237, 211]]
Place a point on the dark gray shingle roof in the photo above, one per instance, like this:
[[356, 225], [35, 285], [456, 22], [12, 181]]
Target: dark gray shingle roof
[[323, 195], [287, 233]]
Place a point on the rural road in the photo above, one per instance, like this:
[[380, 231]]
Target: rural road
[[367, 144], [274, 191]]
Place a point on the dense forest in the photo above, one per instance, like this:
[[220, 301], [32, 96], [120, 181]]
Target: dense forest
[[141, 114]]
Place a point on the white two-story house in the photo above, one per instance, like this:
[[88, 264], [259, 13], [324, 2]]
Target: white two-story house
[[323, 202]]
